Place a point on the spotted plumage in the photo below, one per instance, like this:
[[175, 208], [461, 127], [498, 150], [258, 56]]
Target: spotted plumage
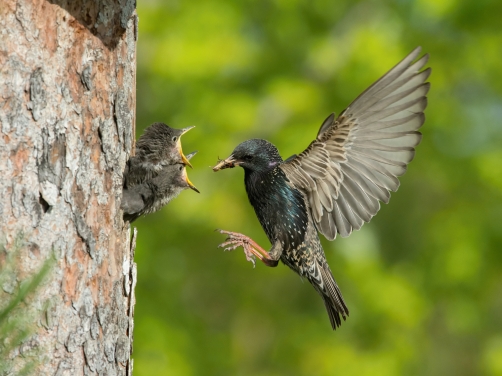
[[335, 185], [283, 213]]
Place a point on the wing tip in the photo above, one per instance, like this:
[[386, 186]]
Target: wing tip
[[414, 54], [424, 103], [416, 50], [428, 74]]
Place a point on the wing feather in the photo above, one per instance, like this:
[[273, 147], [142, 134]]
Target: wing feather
[[356, 159]]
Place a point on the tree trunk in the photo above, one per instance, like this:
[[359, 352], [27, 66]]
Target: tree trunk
[[67, 113]]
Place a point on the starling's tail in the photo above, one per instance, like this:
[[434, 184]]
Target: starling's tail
[[332, 296]]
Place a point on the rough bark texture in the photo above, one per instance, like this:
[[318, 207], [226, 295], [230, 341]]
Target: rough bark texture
[[67, 112]]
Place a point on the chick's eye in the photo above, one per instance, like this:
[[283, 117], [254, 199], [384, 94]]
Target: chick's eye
[[180, 168], [175, 138]]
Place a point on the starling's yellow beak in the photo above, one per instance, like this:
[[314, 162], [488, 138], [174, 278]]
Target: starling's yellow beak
[[178, 145], [230, 162]]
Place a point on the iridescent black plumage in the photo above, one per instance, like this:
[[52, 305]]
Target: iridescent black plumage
[[336, 184], [279, 207], [283, 214]]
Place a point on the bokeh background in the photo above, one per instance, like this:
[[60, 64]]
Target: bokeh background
[[423, 280]]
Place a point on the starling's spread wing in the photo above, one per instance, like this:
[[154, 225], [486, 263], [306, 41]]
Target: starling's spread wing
[[356, 159]]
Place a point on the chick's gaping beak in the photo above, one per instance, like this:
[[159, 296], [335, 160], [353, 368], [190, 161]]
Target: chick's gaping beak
[[184, 159], [185, 130], [230, 162], [187, 180], [190, 155], [178, 146]]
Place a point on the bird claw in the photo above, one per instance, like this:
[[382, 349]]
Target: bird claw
[[230, 245], [236, 240], [250, 257]]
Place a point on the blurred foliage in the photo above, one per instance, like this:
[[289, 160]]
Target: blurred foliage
[[423, 280], [17, 321]]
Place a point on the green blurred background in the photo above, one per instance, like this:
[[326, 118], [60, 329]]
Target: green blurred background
[[423, 280]]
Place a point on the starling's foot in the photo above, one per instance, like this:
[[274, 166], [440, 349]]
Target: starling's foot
[[236, 240], [251, 248]]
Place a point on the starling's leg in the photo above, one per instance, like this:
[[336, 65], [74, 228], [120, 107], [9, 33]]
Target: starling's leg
[[251, 248], [248, 251]]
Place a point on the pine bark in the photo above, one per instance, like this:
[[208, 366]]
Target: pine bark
[[67, 114]]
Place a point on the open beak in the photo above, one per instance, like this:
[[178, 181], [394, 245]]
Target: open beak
[[190, 155], [178, 145], [230, 162], [190, 184], [185, 175]]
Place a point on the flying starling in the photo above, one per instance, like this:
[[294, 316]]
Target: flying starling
[[158, 146], [335, 185], [151, 195]]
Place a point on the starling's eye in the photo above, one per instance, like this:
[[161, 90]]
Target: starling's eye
[[247, 158], [175, 139]]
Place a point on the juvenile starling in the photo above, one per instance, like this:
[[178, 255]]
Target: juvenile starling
[[335, 185], [158, 146], [151, 195]]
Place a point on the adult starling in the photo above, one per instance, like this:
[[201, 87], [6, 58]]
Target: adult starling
[[151, 195], [335, 185], [158, 146]]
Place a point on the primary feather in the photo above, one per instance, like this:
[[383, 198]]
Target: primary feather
[[357, 158]]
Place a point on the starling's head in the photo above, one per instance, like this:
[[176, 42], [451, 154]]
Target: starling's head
[[161, 145], [253, 155]]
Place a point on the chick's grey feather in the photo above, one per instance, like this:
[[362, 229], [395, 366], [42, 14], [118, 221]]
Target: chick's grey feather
[[156, 173], [157, 147], [151, 195]]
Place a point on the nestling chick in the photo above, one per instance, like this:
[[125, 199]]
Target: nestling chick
[[158, 146], [151, 195], [335, 185]]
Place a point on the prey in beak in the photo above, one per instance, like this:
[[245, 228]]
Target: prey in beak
[[185, 175], [222, 164], [184, 158]]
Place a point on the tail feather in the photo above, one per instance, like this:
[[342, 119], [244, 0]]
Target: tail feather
[[332, 296], [334, 315]]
